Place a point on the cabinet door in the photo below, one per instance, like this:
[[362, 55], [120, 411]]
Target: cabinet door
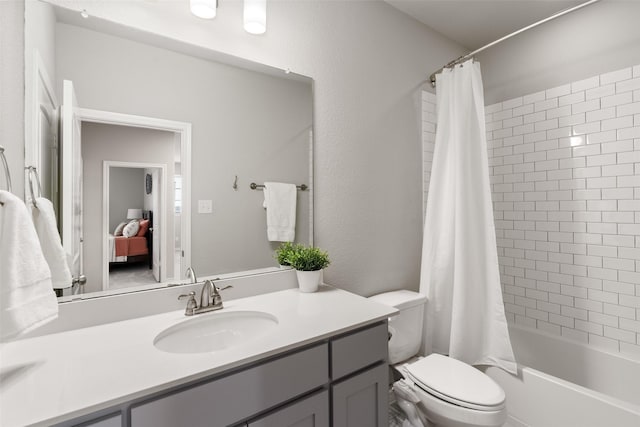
[[310, 412], [362, 400]]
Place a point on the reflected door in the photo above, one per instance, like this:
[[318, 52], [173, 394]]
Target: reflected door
[[155, 262], [71, 184], [42, 151]]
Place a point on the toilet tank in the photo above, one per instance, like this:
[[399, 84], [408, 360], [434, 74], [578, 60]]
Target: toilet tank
[[406, 326]]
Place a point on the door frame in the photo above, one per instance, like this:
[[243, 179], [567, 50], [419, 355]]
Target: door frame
[[106, 173], [183, 132], [33, 129]]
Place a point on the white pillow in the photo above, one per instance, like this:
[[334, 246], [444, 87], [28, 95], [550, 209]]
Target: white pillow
[[119, 228], [131, 229]]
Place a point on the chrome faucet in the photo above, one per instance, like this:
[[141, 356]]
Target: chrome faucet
[[210, 299], [207, 294], [191, 274]]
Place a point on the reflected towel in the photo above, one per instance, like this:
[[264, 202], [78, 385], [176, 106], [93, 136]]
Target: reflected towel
[[44, 219], [280, 202], [27, 299]]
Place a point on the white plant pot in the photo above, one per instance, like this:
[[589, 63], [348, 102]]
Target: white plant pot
[[308, 281]]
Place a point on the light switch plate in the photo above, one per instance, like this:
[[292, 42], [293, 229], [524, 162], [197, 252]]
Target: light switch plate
[[205, 206]]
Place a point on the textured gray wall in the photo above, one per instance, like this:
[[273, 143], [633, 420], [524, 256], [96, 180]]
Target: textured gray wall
[[368, 62], [602, 37], [12, 91]]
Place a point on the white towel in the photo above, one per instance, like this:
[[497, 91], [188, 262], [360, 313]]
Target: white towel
[[44, 219], [27, 299], [280, 201]]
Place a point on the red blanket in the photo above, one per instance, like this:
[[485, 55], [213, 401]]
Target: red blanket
[[131, 246]]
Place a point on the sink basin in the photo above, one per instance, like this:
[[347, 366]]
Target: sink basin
[[211, 332]]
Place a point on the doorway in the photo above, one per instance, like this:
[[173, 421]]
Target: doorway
[[139, 251], [116, 137]]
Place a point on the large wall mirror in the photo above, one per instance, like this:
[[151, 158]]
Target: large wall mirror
[[128, 127]]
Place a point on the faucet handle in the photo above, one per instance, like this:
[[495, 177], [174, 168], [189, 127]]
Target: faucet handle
[[192, 305], [216, 298], [190, 295]]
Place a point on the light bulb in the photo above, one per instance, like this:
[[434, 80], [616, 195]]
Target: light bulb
[[205, 9], [255, 16]]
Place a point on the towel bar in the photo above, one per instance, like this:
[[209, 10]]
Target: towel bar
[[7, 173], [255, 186]]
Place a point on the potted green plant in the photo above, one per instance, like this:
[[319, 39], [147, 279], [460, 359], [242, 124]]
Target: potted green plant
[[308, 262], [283, 253]]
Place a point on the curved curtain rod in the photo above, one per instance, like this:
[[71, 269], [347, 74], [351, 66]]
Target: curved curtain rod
[[432, 77]]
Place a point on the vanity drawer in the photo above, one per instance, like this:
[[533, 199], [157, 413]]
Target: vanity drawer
[[112, 421], [358, 350], [92, 420], [229, 399]]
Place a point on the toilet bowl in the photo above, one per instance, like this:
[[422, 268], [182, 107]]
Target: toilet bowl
[[455, 394], [451, 393]]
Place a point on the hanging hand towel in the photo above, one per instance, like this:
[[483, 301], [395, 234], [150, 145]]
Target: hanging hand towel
[[44, 219], [27, 300], [280, 202]]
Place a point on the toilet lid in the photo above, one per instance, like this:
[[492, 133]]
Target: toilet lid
[[456, 382]]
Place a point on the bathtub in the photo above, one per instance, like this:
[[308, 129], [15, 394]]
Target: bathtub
[[565, 384]]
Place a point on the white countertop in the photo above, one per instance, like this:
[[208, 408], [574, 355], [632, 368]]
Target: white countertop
[[57, 377]]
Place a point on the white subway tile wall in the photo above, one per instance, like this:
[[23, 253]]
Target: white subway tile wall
[[565, 177], [429, 122]]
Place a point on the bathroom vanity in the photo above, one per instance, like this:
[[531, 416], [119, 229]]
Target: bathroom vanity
[[325, 363]]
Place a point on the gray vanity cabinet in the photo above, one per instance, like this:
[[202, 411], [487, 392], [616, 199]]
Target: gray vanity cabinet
[[340, 381], [362, 400], [232, 398], [312, 411]]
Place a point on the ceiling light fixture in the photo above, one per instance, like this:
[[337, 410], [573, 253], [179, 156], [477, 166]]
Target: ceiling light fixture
[[255, 16], [205, 9]]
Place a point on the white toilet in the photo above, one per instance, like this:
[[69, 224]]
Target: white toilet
[[451, 393]]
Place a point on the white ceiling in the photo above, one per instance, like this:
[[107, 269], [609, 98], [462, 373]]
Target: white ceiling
[[474, 23]]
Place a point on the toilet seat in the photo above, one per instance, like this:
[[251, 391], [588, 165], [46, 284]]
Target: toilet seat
[[443, 413], [456, 382]]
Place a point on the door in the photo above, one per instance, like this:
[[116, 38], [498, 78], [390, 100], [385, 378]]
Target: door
[[158, 212], [362, 400], [47, 155], [71, 186], [41, 133], [310, 412]]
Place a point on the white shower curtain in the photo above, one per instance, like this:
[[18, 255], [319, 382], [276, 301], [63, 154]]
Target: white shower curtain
[[465, 312]]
